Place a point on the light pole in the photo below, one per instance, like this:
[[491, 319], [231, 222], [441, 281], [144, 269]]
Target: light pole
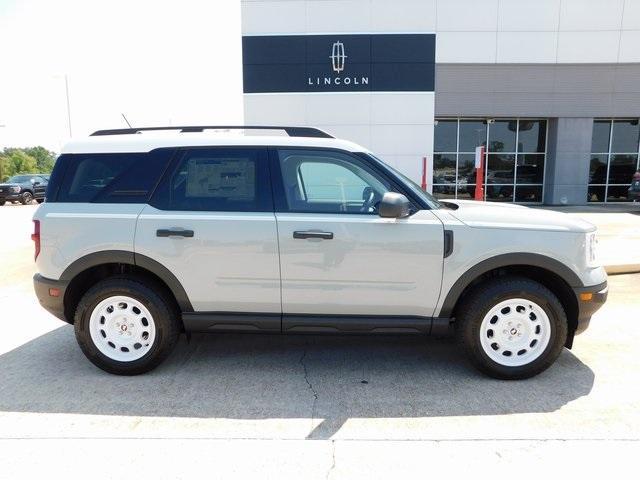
[[66, 89]]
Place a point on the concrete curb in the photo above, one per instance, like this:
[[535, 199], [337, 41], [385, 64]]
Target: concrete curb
[[622, 268]]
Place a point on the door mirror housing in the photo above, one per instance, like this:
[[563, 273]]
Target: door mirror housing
[[394, 205]]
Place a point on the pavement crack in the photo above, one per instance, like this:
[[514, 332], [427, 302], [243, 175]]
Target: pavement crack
[[309, 384], [333, 460]]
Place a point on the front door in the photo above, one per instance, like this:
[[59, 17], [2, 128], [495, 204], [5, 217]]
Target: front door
[[211, 223], [340, 261]]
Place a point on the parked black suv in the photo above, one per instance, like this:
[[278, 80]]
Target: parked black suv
[[23, 189]]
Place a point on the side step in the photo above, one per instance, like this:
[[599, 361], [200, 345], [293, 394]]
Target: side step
[[304, 323]]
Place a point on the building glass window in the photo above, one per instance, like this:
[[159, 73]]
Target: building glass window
[[614, 159], [514, 168]]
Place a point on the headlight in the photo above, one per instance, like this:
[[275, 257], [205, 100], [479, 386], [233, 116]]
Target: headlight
[[590, 250], [15, 189]]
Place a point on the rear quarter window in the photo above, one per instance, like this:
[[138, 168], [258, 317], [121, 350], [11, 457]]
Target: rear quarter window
[[108, 177]]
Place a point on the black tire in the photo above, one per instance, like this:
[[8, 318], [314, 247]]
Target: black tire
[[162, 309], [481, 299], [2, 202], [26, 198], [39, 200]]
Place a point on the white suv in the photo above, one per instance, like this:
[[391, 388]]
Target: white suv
[[147, 233]]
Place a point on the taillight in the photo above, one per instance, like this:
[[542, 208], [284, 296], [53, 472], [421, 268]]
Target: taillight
[[35, 236]]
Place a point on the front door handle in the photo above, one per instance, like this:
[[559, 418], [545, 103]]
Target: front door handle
[[313, 234], [174, 232]]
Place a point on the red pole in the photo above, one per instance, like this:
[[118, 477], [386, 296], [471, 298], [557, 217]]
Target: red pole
[[479, 192], [424, 173]]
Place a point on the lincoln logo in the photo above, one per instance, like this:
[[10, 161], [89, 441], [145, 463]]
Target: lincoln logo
[[337, 56]]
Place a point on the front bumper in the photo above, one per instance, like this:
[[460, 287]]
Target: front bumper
[[590, 299], [9, 197], [44, 288]]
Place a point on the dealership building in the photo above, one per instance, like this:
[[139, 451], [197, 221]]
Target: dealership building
[[550, 88]]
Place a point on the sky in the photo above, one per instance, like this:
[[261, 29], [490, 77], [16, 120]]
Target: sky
[[158, 62]]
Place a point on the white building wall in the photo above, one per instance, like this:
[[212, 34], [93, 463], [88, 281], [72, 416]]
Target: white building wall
[[472, 31]]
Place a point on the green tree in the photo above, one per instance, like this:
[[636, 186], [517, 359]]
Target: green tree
[[14, 161], [25, 160], [44, 158]]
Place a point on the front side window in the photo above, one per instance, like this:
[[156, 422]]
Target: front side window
[[330, 182], [217, 179]]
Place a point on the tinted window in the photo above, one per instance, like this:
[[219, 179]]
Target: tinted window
[[217, 179], [473, 133], [625, 136], [600, 138], [532, 136], [502, 136], [330, 182], [445, 136], [111, 177]]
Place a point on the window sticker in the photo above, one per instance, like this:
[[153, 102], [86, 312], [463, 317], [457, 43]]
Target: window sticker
[[221, 178]]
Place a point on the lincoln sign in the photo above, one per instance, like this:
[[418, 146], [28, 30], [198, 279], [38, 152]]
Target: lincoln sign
[[338, 63]]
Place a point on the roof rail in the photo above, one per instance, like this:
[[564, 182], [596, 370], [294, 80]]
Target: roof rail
[[291, 131]]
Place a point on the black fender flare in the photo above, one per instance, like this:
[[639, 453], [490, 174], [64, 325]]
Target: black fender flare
[[506, 260], [130, 258]]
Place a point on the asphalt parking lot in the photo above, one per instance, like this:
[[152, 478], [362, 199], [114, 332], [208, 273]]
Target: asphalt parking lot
[[307, 406]]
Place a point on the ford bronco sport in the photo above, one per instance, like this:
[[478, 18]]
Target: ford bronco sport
[[147, 233]]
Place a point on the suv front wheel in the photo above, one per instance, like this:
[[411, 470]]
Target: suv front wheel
[[26, 198], [511, 327], [126, 327]]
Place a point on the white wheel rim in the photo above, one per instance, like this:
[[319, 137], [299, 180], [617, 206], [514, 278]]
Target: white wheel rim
[[515, 332], [122, 328]]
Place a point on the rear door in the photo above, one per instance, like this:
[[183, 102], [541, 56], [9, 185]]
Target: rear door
[[343, 267], [211, 223]]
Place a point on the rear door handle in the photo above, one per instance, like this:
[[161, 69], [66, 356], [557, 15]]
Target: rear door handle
[[174, 232], [312, 234]]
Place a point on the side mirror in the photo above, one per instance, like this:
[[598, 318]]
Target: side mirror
[[35, 182], [394, 205]]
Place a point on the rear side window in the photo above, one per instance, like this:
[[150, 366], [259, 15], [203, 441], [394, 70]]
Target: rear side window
[[111, 177], [217, 179]]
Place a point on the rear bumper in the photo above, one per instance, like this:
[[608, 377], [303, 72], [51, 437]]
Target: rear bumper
[[590, 299], [44, 287]]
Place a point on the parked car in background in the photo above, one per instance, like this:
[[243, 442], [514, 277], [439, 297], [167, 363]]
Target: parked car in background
[[23, 189], [634, 190]]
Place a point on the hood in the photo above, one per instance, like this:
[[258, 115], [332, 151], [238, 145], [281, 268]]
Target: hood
[[9, 185], [512, 216]]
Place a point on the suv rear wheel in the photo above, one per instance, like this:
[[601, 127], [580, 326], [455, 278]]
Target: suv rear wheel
[[126, 327], [512, 327]]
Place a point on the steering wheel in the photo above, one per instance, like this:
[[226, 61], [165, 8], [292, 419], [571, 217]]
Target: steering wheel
[[369, 199]]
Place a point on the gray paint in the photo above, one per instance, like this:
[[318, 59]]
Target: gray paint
[[567, 167], [589, 90]]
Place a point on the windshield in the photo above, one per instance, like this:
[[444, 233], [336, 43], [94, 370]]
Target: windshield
[[426, 197], [19, 179]]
